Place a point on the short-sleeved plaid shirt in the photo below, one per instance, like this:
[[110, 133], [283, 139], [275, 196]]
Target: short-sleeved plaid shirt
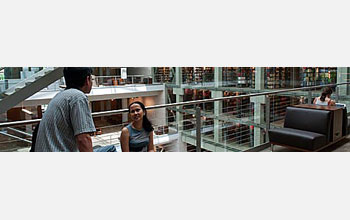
[[67, 115]]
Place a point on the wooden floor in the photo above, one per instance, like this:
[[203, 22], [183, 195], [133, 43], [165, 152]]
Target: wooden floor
[[341, 146]]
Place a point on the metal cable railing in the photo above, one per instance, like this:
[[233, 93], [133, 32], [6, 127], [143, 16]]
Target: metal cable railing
[[112, 112]]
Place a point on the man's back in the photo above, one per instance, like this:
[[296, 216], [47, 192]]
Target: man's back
[[67, 115]]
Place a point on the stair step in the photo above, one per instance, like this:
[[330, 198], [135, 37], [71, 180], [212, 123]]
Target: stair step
[[19, 88], [8, 93], [39, 76], [30, 81]]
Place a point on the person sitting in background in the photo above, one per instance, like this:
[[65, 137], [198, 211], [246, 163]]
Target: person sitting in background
[[325, 98], [138, 135]]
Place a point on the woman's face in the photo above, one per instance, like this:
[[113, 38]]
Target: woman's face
[[136, 112]]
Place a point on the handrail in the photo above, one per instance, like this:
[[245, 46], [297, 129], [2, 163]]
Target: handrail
[[112, 112], [15, 137]]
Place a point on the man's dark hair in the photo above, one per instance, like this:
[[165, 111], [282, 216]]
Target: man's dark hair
[[75, 76]]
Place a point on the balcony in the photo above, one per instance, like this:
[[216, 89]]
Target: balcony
[[192, 125]]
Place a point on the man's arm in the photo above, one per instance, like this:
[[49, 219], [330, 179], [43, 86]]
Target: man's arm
[[84, 142], [82, 123]]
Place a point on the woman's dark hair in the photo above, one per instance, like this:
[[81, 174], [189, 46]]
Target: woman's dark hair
[[146, 124], [326, 91], [75, 76]]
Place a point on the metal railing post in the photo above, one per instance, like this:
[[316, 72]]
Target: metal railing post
[[309, 96], [198, 129], [267, 104], [337, 94], [267, 119]]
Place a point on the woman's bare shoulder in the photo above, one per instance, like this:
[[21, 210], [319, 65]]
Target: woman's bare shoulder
[[125, 130]]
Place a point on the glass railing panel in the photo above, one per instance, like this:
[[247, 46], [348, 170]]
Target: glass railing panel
[[235, 123], [278, 105], [17, 138], [186, 118], [341, 96], [167, 124], [14, 145], [228, 129]]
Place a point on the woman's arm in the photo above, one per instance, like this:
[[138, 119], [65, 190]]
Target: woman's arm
[[124, 140], [331, 102], [151, 146], [315, 99]]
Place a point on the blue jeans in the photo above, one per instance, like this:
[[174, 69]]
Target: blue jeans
[[108, 148]]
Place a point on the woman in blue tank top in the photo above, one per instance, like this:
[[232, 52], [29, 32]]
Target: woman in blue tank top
[[138, 135]]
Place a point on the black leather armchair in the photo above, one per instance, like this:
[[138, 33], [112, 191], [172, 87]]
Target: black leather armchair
[[304, 129]]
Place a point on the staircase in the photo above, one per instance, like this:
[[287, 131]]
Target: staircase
[[28, 87]]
